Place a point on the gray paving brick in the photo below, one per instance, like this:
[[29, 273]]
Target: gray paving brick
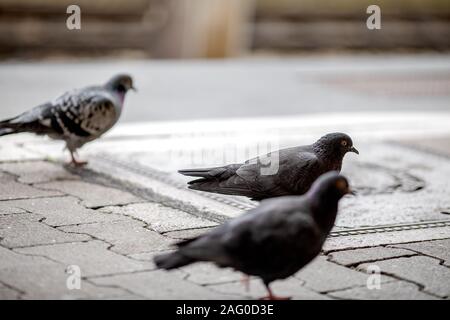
[[11, 259], [11, 151], [37, 171], [187, 234], [6, 208], [92, 195], [286, 288], [419, 269], [161, 218], [10, 189], [7, 293], [323, 276], [40, 278], [127, 236], [161, 285], [438, 248], [48, 281], [92, 257], [357, 256], [396, 290], [208, 273], [22, 230], [385, 238], [59, 211], [148, 257]]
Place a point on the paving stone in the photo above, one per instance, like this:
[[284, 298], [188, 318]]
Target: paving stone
[[21, 230], [6, 208], [10, 189], [187, 234], [438, 248], [12, 151], [40, 278], [7, 293], [11, 259], [419, 269], [161, 218], [37, 171], [385, 238], [208, 273], [291, 287], [323, 276], [49, 281], [357, 256], [148, 257], [93, 257], [92, 195], [396, 290], [59, 211], [127, 236], [160, 284]]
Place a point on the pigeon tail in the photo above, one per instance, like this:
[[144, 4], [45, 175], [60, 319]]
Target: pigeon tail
[[204, 173], [172, 260], [7, 128]]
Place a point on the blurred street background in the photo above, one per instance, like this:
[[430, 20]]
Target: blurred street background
[[213, 58]]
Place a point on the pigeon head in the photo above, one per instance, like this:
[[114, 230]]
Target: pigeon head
[[120, 83], [325, 194], [331, 186], [337, 144]]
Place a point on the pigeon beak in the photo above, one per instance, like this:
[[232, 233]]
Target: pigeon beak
[[350, 191], [353, 149], [134, 89]]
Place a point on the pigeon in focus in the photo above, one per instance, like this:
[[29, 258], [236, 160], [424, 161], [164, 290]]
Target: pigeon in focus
[[298, 168], [272, 241], [77, 117]]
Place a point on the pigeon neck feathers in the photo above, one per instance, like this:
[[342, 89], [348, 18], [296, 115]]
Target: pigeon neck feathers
[[323, 203], [328, 154]]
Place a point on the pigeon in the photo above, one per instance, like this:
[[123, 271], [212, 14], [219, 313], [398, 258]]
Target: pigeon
[[272, 241], [298, 168], [76, 117]]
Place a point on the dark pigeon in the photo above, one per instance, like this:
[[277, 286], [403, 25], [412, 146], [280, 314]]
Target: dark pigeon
[[299, 167], [77, 117], [272, 241]]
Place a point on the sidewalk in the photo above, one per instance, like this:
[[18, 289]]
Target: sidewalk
[[109, 219]]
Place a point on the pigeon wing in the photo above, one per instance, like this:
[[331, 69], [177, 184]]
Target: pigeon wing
[[83, 113], [291, 172]]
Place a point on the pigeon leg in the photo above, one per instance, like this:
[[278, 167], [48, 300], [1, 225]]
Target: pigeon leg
[[271, 296], [76, 162], [245, 280]]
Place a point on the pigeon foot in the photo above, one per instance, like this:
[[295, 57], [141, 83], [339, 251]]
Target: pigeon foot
[[271, 296], [75, 162]]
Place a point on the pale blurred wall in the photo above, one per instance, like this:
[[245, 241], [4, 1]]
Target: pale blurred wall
[[157, 28], [217, 28]]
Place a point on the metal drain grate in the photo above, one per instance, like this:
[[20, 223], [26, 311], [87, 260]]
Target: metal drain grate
[[391, 228]]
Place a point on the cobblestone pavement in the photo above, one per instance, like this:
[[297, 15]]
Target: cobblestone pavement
[[109, 219]]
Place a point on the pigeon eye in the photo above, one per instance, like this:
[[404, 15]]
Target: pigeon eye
[[341, 184], [343, 143]]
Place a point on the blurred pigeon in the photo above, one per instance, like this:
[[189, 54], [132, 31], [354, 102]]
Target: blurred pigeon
[[272, 241], [77, 117], [298, 168]]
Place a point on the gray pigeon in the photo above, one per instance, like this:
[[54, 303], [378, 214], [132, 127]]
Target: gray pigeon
[[272, 241], [77, 117], [298, 168]]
